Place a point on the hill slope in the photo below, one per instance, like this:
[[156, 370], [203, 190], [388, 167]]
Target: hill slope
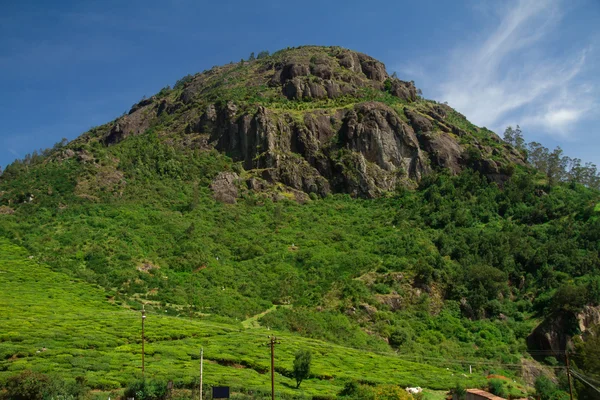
[[312, 179], [63, 326]]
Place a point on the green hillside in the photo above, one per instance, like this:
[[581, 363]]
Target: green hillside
[[307, 193], [54, 324]]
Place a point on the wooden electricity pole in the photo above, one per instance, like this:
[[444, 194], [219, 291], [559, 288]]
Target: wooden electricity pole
[[272, 342], [569, 374], [272, 367], [201, 365], [143, 319]]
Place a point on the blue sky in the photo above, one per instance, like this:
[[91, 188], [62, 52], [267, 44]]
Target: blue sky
[[66, 66]]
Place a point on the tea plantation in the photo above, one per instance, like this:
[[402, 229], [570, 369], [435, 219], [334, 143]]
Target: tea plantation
[[64, 327]]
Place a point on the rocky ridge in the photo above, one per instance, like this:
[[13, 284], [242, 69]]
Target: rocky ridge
[[318, 120]]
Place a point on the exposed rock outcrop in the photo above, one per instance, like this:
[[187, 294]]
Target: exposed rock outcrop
[[364, 148], [135, 123], [224, 187], [555, 333], [363, 151], [588, 317]]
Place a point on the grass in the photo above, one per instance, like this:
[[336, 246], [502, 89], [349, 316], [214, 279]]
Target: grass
[[434, 394], [55, 324]]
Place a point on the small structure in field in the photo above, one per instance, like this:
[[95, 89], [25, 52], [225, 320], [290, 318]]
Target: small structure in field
[[478, 394]]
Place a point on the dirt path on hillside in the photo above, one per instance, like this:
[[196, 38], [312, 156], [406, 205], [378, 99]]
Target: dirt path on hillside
[[252, 322]]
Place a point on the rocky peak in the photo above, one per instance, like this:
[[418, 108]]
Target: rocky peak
[[319, 119]]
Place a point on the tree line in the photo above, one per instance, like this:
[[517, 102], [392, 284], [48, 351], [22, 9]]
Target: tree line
[[557, 166], [35, 157]]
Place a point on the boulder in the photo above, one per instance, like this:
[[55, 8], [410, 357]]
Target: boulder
[[304, 89], [224, 187], [444, 151], [555, 333], [322, 71], [293, 70], [136, 123], [375, 131], [373, 69], [418, 122], [349, 60], [142, 103]]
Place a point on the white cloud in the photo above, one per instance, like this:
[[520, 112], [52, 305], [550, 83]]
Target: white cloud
[[562, 116], [512, 74]]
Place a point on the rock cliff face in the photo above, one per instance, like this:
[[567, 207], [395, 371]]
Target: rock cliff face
[[556, 332], [321, 120], [362, 150]]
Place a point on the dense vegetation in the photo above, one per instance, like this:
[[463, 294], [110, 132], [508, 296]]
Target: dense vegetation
[[64, 328], [459, 269], [454, 273], [557, 166]]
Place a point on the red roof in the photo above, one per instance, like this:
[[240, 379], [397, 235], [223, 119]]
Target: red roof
[[484, 394]]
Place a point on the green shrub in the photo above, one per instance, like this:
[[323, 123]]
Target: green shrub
[[262, 54], [29, 385], [181, 82], [387, 85], [350, 389], [147, 390], [545, 388], [460, 391], [301, 369], [496, 386]]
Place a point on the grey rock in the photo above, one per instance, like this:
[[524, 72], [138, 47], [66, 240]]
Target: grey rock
[[323, 71], [373, 69], [555, 332], [292, 70], [349, 60], [224, 187], [404, 90], [419, 122]]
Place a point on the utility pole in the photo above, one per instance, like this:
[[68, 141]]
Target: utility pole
[[201, 365], [272, 367], [143, 319], [569, 373], [272, 342]]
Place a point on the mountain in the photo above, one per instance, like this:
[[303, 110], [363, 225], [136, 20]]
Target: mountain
[[318, 120], [310, 193]]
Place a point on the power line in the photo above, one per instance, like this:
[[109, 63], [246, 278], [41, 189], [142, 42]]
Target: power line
[[593, 380], [569, 375], [416, 358], [577, 375]]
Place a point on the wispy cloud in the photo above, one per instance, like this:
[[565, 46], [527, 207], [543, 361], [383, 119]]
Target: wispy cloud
[[410, 69], [513, 74]]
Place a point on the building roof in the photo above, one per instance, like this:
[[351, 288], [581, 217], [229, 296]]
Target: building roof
[[484, 394]]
